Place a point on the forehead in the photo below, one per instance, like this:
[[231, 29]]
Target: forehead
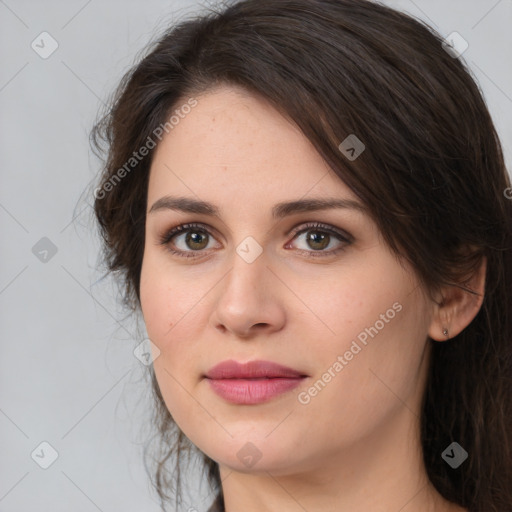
[[234, 148]]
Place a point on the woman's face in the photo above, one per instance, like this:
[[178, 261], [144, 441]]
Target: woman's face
[[258, 281]]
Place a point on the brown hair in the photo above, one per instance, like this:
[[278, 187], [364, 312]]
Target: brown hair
[[432, 175]]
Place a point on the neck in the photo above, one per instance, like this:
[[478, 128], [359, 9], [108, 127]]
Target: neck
[[373, 474]]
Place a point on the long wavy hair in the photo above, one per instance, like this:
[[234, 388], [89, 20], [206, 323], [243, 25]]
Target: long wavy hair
[[432, 176]]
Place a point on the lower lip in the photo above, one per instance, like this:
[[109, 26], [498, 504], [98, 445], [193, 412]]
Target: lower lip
[[252, 391]]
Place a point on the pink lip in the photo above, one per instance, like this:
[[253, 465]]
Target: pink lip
[[253, 382]]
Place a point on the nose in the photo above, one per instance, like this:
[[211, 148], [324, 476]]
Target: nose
[[249, 300]]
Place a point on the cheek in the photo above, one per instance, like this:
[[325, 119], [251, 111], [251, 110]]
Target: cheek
[[171, 306], [376, 320], [358, 385], [166, 315], [163, 302], [161, 312], [343, 302], [153, 297]]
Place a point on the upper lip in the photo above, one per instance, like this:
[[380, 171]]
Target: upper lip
[[251, 370]]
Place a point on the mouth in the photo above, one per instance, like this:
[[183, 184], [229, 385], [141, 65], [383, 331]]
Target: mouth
[[253, 382]]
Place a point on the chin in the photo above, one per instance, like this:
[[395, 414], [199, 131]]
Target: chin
[[256, 457]]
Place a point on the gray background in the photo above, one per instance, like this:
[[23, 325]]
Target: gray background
[[68, 373]]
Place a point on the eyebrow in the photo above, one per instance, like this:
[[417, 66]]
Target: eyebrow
[[279, 211]]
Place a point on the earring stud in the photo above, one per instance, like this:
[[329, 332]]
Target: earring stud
[[445, 331]]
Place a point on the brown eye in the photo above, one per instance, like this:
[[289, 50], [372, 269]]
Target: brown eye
[[196, 240], [319, 238], [187, 239]]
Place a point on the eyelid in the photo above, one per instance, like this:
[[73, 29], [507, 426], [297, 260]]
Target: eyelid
[[343, 237], [320, 226], [168, 234]]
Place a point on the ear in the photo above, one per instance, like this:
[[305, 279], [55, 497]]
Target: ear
[[457, 308]]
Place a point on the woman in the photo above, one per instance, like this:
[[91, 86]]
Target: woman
[[308, 203]]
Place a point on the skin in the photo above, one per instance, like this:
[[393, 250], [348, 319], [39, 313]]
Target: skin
[[355, 445]]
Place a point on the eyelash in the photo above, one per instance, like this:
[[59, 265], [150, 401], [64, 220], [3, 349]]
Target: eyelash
[[166, 238]]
